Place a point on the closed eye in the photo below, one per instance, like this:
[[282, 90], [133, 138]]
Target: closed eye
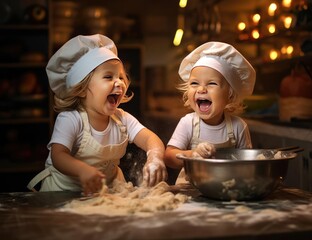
[[193, 83], [108, 76], [212, 83], [122, 78]]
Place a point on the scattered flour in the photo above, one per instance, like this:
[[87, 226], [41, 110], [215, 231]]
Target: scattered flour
[[125, 199]]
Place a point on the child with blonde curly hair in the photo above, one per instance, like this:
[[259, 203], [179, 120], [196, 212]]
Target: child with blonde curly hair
[[216, 78]]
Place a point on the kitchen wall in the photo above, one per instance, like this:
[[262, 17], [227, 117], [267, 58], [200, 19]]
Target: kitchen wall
[[152, 24]]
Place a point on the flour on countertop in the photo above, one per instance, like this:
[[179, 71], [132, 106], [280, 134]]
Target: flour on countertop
[[126, 199], [163, 207]]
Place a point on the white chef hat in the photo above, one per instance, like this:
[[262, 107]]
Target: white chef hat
[[76, 59], [226, 60]]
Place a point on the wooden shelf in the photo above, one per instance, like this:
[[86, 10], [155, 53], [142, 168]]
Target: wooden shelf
[[295, 32], [21, 167], [24, 65], [24, 27], [292, 60], [20, 121], [26, 119]]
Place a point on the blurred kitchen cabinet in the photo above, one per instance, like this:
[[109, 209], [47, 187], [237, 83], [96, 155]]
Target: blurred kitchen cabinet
[[26, 114], [132, 56], [304, 164], [299, 172]]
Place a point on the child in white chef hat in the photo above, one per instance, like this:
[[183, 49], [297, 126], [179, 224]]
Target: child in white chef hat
[[91, 133], [216, 78]]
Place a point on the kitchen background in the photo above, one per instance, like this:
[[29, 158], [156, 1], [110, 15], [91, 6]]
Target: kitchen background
[[279, 45]]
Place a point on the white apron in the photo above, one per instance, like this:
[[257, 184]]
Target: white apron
[[105, 158], [229, 143]]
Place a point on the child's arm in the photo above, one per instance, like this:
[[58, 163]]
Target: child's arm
[[203, 150], [154, 170], [90, 177], [171, 159]]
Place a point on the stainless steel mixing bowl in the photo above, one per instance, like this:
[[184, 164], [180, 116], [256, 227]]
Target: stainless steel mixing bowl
[[237, 174]]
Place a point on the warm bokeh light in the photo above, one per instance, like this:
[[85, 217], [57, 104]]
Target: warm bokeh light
[[68, 13], [255, 34], [178, 37], [286, 3], [97, 13], [273, 54], [271, 28], [190, 47], [272, 8], [183, 3], [256, 18], [241, 26], [287, 50], [287, 22], [290, 50]]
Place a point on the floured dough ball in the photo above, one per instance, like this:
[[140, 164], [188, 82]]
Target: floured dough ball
[[242, 209], [260, 157], [122, 198], [278, 155], [229, 184]]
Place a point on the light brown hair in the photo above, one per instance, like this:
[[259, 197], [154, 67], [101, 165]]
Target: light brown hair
[[75, 96]]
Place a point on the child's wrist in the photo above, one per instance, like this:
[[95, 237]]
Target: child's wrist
[[154, 154]]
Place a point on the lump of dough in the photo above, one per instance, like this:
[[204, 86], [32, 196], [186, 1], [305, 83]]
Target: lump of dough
[[122, 198]]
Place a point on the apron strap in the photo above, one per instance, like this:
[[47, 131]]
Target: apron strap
[[85, 121], [229, 128], [38, 178], [196, 130], [122, 128]]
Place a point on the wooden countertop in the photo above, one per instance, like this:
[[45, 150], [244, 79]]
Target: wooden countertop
[[285, 214]]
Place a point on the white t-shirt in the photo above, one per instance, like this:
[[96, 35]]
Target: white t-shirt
[[68, 130], [182, 135]]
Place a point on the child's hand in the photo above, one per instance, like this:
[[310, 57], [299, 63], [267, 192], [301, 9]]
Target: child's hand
[[154, 170], [91, 180], [204, 150]]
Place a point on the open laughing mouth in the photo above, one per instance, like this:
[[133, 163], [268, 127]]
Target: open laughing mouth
[[113, 98], [203, 104]]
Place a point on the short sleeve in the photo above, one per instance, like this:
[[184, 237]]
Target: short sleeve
[[133, 125], [242, 131], [182, 134], [68, 129]]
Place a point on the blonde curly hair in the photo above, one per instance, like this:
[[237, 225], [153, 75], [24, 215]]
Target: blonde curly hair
[[235, 105]]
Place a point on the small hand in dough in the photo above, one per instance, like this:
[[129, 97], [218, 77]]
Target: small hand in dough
[[91, 180], [154, 170], [204, 150]]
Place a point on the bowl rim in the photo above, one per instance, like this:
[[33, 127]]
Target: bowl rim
[[287, 156]]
